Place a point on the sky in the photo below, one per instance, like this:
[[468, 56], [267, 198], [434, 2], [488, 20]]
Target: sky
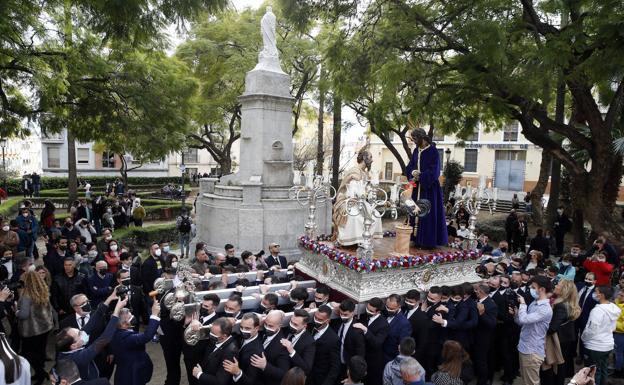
[[351, 135]]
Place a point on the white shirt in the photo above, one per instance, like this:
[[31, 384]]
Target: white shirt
[[320, 333], [9, 267], [372, 319], [294, 341], [240, 374], [409, 313], [86, 319], [268, 340], [245, 342], [217, 346]]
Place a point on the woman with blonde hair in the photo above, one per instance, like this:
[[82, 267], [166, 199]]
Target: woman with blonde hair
[[456, 368], [565, 311], [34, 322]]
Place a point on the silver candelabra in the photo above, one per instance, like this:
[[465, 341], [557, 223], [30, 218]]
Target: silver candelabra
[[369, 207], [316, 192], [472, 199]]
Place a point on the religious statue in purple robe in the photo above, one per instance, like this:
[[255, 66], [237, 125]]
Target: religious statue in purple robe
[[423, 171]]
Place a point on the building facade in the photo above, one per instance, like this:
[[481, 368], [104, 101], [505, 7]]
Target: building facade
[[505, 158], [21, 155]]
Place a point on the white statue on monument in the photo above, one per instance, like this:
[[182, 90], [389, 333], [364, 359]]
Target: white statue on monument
[[268, 58]]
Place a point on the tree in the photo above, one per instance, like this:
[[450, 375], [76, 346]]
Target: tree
[[489, 60], [220, 52]]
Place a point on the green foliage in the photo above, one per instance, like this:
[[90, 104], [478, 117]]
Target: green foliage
[[57, 186], [9, 207], [452, 173], [143, 236]]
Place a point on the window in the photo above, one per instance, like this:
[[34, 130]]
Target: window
[[190, 155], [441, 155], [474, 136], [54, 157], [388, 171], [82, 156], [108, 160], [470, 160], [510, 132]]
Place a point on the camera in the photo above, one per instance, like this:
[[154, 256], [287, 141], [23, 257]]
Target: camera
[[511, 298], [122, 292], [11, 285]]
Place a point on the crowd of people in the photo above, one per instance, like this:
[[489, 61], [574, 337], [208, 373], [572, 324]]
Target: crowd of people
[[97, 302]]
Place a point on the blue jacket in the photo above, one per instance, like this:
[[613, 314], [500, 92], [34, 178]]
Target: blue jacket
[[463, 322], [400, 328], [99, 288], [84, 357], [134, 366], [29, 223]]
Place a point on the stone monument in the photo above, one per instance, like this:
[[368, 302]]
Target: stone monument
[[251, 208]]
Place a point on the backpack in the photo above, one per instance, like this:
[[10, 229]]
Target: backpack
[[185, 225]]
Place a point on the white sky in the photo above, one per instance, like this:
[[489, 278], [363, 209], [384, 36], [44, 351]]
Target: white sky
[[348, 115]]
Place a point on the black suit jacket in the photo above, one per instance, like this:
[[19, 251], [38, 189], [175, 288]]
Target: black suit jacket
[[251, 375], [326, 367], [487, 320], [354, 341], [194, 354], [375, 337], [149, 273], [278, 361], [464, 322], [281, 261], [96, 325], [419, 323], [304, 353], [212, 364]]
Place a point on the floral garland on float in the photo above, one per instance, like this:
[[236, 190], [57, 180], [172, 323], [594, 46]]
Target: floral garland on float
[[391, 262]]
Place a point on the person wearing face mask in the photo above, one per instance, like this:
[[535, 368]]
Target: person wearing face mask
[[400, 327], [375, 329], [152, 268], [28, 224], [243, 373], [600, 267], [268, 302], [137, 301], [222, 347], [193, 354], [232, 307], [165, 248], [597, 336], [134, 366], [8, 238], [298, 297], [100, 284], [463, 231], [112, 256], [465, 318], [299, 343], [501, 250], [73, 344], [321, 297], [108, 220], [586, 303], [416, 317], [561, 225], [326, 366], [352, 340], [70, 231], [534, 321], [540, 243], [86, 230], [53, 259], [275, 361], [484, 333], [566, 270], [102, 243], [65, 285]]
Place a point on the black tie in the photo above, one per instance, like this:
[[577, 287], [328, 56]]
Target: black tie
[[584, 296], [291, 337], [82, 322]]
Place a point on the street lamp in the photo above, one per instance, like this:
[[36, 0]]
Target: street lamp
[[448, 154], [182, 170], [3, 143]]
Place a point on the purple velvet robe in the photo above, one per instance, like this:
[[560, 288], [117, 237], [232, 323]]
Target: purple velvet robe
[[432, 227]]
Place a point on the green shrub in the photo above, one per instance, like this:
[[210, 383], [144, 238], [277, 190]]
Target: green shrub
[[47, 182], [453, 171], [493, 227], [144, 236], [10, 207]]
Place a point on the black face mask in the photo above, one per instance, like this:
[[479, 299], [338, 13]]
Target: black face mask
[[62, 248], [203, 312], [269, 333], [388, 313], [503, 249], [318, 325], [245, 335], [292, 330], [455, 302], [125, 282], [410, 306], [213, 339], [229, 314], [513, 285], [86, 307], [320, 303], [430, 303], [103, 271]]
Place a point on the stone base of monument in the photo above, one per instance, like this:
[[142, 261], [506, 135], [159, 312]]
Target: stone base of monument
[[387, 274]]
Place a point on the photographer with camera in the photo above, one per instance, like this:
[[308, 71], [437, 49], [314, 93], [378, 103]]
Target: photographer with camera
[[100, 284], [137, 303]]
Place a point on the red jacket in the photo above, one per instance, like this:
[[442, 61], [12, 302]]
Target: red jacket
[[602, 270]]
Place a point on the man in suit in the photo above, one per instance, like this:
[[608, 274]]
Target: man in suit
[[232, 307], [430, 350], [171, 338], [520, 233], [375, 329], [586, 303], [243, 373], [416, 317], [222, 347], [326, 366], [484, 332], [67, 373], [137, 300], [466, 317], [298, 297], [275, 361], [268, 302], [194, 354], [134, 366], [400, 327], [152, 268], [321, 297], [352, 340], [73, 344], [299, 343], [275, 259]]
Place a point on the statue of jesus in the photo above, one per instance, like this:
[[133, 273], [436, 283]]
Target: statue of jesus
[[267, 27]]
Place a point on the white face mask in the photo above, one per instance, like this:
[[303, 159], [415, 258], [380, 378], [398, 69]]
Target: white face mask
[[93, 253], [31, 268], [113, 247], [157, 252], [166, 249], [5, 228], [462, 227]]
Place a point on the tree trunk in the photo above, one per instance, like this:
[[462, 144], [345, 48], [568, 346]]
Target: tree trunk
[[538, 192], [72, 173], [225, 164], [123, 170], [337, 102], [321, 119], [555, 177]]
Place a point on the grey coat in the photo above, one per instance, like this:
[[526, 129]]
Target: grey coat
[[33, 319]]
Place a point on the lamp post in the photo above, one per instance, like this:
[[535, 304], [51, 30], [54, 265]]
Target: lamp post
[[448, 154], [182, 170], [3, 143]]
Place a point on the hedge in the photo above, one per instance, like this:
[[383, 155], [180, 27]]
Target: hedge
[[145, 236], [10, 207], [47, 182]]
